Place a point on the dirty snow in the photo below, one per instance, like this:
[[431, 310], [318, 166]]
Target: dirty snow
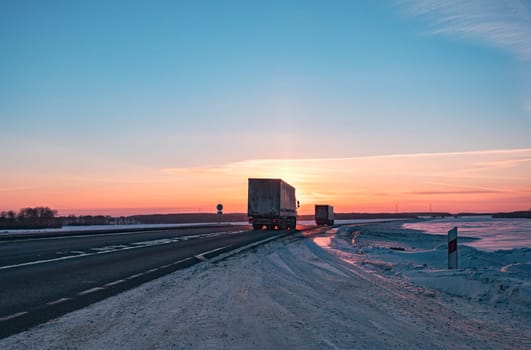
[[367, 287]]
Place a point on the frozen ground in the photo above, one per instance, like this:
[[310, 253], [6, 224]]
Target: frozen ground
[[320, 292]]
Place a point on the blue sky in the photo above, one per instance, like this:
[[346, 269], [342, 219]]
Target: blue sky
[[166, 84]]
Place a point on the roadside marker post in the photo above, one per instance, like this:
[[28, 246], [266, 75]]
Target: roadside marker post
[[452, 248]]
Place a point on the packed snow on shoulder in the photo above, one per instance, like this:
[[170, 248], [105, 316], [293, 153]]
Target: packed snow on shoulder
[[340, 288]]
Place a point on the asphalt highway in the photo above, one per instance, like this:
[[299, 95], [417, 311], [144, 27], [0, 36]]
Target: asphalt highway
[[43, 278]]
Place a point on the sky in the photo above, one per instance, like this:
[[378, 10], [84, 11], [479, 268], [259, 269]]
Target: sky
[[131, 107]]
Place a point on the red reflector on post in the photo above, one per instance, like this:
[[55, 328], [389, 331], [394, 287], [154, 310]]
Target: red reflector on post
[[452, 248]]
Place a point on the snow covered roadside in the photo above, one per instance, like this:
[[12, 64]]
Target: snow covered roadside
[[490, 286], [500, 279], [295, 293]]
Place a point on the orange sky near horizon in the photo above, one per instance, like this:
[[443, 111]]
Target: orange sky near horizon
[[478, 181]]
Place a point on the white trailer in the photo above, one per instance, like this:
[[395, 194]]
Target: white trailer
[[324, 214], [271, 204]]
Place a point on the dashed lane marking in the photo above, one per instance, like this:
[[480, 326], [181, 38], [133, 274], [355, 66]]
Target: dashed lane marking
[[18, 314], [135, 276], [178, 262], [200, 256], [92, 290], [110, 284], [58, 301]]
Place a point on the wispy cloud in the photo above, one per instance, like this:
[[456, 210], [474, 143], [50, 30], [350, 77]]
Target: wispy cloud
[[439, 193], [500, 23], [508, 163], [305, 167]]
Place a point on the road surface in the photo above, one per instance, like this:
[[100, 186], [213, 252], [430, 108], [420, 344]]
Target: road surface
[[43, 278]]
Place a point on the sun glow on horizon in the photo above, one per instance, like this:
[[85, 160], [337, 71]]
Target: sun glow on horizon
[[484, 181]]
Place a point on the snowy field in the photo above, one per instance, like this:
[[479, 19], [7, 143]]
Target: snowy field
[[482, 232], [377, 286]]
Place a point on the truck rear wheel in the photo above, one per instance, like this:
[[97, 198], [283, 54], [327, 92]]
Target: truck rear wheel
[[292, 224]]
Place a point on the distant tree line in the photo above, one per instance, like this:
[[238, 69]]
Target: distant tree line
[[44, 217], [38, 217]]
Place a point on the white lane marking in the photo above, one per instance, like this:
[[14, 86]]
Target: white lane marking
[[146, 272], [58, 301], [179, 261], [157, 241], [135, 276], [110, 247], [18, 314], [92, 290], [43, 261], [202, 257], [110, 284], [143, 244]]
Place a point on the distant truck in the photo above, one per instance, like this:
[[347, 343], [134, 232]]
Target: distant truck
[[324, 214], [272, 204]]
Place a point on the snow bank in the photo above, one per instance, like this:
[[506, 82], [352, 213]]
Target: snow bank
[[499, 279]]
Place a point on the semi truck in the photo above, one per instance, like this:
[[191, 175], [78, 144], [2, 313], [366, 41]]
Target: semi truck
[[324, 214], [272, 204]]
